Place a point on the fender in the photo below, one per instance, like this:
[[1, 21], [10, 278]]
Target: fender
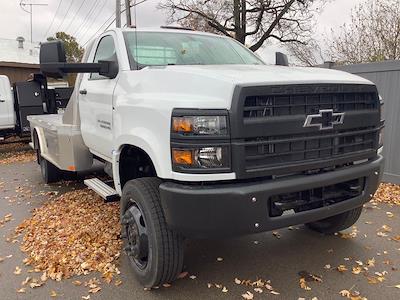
[[42, 144], [147, 145], [41, 139]]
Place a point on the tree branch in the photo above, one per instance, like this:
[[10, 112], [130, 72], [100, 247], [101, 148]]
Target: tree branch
[[267, 33]]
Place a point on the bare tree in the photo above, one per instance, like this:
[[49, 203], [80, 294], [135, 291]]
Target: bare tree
[[308, 54], [287, 21], [372, 35]]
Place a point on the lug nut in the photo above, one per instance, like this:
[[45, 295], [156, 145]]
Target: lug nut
[[371, 195], [376, 173], [254, 199], [257, 225]]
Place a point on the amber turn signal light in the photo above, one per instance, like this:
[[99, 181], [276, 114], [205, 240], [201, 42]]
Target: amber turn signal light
[[182, 157], [182, 124]]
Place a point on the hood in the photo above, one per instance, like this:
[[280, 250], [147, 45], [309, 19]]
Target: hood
[[269, 74], [213, 86]]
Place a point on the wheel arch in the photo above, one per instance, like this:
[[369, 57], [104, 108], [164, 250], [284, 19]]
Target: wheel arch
[[131, 162], [38, 140]]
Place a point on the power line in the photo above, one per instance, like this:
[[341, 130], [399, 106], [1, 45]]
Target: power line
[[76, 13], [93, 35], [65, 15], [79, 28], [113, 20], [54, 17], [94, 19]]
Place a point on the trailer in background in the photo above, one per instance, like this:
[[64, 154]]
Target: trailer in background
[[33, 97]]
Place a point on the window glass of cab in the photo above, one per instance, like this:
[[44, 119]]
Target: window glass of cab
[[105, 51], [176, 48]]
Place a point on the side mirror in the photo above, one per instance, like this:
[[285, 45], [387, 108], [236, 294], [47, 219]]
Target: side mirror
[[109, 68], [281, 59], [53, 63], [52, 53]]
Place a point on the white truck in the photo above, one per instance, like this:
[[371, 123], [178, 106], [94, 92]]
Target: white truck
[[203, 139]]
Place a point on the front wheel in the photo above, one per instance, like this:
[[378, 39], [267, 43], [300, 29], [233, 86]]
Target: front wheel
[[336, 223], [154, 251]]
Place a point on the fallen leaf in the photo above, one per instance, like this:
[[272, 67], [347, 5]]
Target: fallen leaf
[[95, 290], [53, 293], [371, 262], [76, 282], [21, 290], [276, 234], [345, 293], [389, 214], [220, 259], [86, 297], [118, 282], [17, 270], [238, 281], [303, 284], [248, 296], [274, 293], [258, 290], [182, 275], [224, 290], [342, 268], [192, 276]]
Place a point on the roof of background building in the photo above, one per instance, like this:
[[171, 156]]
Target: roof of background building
[[10, 52]]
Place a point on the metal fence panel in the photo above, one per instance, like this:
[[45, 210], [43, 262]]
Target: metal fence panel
[[386, 76]]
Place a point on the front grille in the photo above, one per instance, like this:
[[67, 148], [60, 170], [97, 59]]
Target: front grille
[[256, 106], [288, 149], [269, 136], [315, 198]]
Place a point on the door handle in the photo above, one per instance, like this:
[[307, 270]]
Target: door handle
[[83, 92], [2, 101]]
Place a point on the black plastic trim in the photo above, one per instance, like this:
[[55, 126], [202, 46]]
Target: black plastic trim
[[229, 209]]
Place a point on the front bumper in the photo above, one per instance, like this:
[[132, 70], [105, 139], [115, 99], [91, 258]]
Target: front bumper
[[230, 209]]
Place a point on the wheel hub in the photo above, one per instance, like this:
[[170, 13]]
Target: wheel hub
[[137, 246]]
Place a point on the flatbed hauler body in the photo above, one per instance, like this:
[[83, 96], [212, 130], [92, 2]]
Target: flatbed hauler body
[[202, 139]]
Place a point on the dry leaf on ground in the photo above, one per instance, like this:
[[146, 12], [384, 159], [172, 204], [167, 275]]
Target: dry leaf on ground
[[73, 234]]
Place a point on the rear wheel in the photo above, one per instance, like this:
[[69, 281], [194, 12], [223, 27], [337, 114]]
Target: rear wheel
[[154, 251], [336, 223], [50, 172]]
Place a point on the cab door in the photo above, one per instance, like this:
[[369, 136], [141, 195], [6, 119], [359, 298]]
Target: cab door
[[96, 101]]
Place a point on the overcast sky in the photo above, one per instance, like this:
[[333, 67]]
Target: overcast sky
[[82, 18]]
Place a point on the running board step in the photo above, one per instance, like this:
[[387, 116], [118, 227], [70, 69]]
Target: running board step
[[102, 189]]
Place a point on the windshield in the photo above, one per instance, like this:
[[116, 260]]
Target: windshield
[[172, 48]]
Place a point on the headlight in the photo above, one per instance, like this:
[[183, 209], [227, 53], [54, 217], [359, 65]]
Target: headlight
[[201, 158], [200, 125]]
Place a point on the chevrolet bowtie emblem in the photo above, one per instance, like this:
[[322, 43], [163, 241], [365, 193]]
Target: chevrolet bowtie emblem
[[326, 119]]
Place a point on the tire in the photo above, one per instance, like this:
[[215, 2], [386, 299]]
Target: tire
[[50, 172], [154, 251], [336, 223]]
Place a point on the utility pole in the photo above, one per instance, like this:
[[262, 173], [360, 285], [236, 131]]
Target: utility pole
[[30, 12], [128, 13], [118, 14]]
